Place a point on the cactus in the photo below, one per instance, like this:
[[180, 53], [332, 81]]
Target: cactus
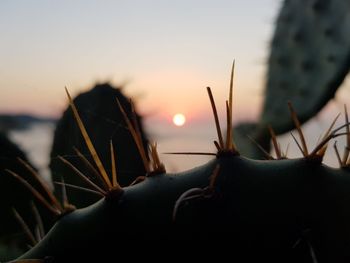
[[279, 210], [14, 195], [309, 59], [105, 123]]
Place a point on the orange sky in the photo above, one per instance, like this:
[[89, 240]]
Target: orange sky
[[159, 93]]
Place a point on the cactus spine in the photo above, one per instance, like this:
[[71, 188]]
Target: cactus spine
[[279, 209]]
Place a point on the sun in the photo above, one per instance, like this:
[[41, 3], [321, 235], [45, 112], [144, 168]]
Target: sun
[[179, 119]]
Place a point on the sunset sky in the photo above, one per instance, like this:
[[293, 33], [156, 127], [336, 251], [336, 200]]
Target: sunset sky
[[166, 51]]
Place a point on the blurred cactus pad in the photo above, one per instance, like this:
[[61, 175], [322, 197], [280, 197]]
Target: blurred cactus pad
[[309, 59], [15, 195], [105, 123]]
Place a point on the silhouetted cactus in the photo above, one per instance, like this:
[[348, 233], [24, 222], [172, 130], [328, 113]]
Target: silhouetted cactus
[[14, 195], [104, 121], [275, 210]]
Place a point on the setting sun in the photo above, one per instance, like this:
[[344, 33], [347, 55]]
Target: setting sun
[[179, 119]]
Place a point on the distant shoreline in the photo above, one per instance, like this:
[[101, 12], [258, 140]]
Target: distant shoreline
[[10, 122]]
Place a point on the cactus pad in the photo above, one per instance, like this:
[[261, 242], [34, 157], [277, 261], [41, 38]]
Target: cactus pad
[[309, 59]]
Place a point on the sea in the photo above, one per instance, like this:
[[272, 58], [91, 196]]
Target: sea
[[37, 139], [36, 142]]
